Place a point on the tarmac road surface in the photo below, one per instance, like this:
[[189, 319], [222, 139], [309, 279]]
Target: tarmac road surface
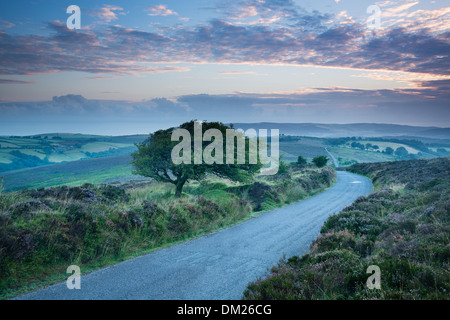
[[217, 266]]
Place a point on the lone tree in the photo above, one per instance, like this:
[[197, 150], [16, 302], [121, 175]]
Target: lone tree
[[320, 161], [154, 158]]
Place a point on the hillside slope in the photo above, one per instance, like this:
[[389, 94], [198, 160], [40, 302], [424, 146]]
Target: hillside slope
[[43, 231], [403, 228], [349, 130]]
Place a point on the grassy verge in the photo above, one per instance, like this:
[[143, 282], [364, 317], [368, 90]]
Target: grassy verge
[[403, 228], [44, 231]]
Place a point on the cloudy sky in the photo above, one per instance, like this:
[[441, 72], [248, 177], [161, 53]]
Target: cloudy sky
[[137, 66]]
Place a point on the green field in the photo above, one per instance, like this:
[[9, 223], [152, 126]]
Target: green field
[[34, 151], [384, 144], [57, 159], [305, 147], [74, 173], [347, 156]]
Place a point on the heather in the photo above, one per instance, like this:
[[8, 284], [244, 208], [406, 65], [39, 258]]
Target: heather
[[44, 231], [403, 228]]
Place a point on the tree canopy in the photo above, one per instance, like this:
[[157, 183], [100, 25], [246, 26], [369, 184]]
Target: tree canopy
[[401, 152], [154, 157], [320, 161], [301, 160], [389, 150]]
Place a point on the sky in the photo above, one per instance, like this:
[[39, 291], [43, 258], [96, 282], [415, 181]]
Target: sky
[[138, 66]]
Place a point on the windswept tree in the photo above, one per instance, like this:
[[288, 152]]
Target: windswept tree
[[154, 157]]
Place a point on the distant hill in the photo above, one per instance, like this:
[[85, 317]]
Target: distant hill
[[18, 152], [349, 130], [98, 170]]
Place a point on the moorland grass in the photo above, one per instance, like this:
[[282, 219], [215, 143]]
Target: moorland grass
[[403, 228], [44, 231]]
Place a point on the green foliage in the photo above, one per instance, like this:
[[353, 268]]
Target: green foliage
[[320, 161], [336, 141], [389, 150], [23, 160], [401, 152], [43, 231], [282, 167], [358, 145], [154, 159], [301, 160]]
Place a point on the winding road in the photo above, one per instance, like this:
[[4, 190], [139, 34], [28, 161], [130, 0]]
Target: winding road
[[333, 159], [220, 265]]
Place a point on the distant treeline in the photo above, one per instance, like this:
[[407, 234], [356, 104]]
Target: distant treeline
[[416, 144], [22, 161], [413, 143], [111, 152]]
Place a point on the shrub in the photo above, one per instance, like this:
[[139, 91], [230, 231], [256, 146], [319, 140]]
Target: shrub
[[320, 161], [301, 161], [114, 193], [28, 208], [358, 222]]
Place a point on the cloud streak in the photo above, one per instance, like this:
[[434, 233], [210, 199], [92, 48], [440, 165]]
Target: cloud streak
[[14, 81], [426, 104], [297, 37]]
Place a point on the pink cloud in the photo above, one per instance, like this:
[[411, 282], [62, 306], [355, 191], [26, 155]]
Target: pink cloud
[[161, 10], [6, 24], [108, 13]]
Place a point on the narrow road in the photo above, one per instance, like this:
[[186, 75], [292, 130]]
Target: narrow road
[[335, 162], [220, 265]]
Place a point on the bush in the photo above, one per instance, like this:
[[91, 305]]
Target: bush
[[301, 160], [401, 152], [320, 161]]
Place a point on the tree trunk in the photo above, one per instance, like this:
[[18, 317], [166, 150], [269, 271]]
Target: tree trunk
[[179, 187]]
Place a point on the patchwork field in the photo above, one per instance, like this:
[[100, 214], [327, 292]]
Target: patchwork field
[[73, 159], [384, 144], [348, 156], [34, 151]]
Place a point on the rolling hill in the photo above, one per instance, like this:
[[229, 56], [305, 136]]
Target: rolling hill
[[349, 130]]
